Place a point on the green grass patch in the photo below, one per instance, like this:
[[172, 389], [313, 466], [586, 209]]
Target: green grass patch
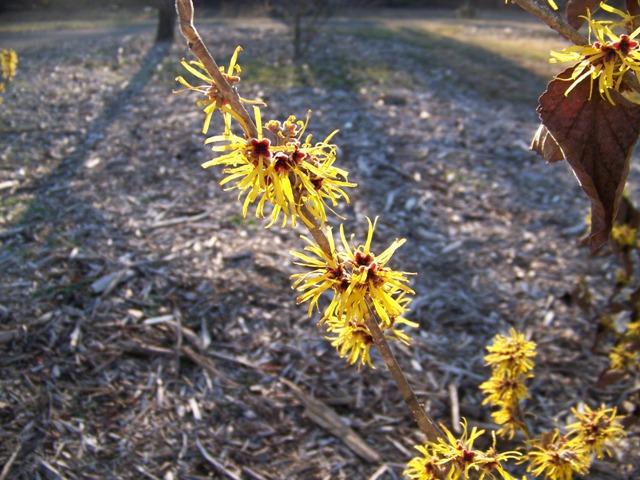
[[486, 67]]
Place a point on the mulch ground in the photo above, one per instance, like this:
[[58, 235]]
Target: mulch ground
[[148, 331]]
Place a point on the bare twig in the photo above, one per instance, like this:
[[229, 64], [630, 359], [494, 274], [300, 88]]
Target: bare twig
[[425, 423], [326, 418], [554, 20], [9, 464], [219, 467], [199, 49]]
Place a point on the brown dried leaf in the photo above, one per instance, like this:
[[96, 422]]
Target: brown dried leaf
[[609, 377], [597, 139], [577, 9], [545, 145]]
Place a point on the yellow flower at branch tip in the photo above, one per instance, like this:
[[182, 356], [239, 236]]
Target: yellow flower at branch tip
[[9, 61], [607, 59], [453, 458], [510, 356], [555, 456], [597, 428], [215, 99]]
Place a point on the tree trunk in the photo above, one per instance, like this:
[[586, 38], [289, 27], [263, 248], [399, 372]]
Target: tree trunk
[[166, 20]]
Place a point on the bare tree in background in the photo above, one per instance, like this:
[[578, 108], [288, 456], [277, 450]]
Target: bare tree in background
[[304, 18], [166, 20]]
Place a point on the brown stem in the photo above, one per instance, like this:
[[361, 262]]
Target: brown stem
[[313, 227], [553, 19], [425, 423], [199, 49]]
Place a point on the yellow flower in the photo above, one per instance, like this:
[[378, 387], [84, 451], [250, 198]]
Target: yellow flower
[[370, 279], [511, 356], [607, 59], [424, 467], [624, 235], [326, 273], [509, 417], [596, 428], [9, 62], [356, 279], [623, 356], [306, 172], [212, 92], [453, 458], [352, 340], [557, 457], [284, 172], [504, 391]]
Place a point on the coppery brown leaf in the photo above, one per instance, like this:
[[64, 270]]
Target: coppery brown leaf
[[597, 139], [545, 145], [577, 9], [609, 377]]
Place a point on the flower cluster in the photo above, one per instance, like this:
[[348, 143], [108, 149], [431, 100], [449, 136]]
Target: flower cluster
[[625, 354], [282, 168], [360, 284], [555, 456], [511, 364], [279, 167], [608, 58], [9, 64], [454, 458], [559, 456]]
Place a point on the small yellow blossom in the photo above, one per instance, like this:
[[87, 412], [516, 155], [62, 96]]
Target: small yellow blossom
[[555, 456], [624, 356], [453, 458], [624, 235], [511, 362], [214, 98], [504, 391], [9, 62], [597, 428], [509, 417], [606, 59], [511, 354], [352, 339], [633, 330]]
